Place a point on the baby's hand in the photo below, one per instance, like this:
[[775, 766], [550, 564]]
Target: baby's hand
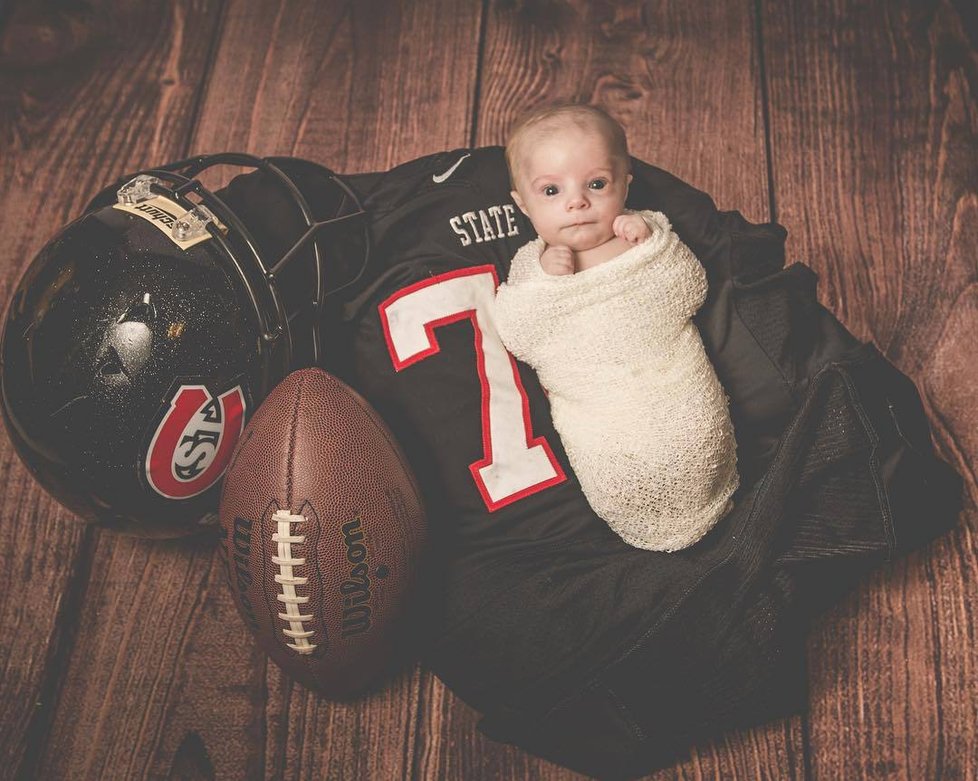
[[557, 261], [631, 228]]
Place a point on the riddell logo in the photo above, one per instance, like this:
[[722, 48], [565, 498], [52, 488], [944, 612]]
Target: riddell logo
[[156, 213], [192, 445]]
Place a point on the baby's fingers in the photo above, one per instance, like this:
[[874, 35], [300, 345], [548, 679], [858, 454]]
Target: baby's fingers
[[557, 260], [628, 228], [620, 226]]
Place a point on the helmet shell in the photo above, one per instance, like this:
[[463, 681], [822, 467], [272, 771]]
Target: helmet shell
[[129, 367]]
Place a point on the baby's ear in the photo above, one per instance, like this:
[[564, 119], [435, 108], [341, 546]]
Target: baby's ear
[[519, 201]]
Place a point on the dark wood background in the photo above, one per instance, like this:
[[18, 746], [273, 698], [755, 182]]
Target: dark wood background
[[855, 124]]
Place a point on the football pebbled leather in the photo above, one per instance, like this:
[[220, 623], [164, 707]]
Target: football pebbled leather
[[323, 528]]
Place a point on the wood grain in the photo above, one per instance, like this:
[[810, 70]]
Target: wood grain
[[682, 78], [138, 698], [874, 129], [355, 86], [74, 83]]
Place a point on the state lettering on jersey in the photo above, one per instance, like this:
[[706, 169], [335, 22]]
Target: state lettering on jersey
[[476, 227]]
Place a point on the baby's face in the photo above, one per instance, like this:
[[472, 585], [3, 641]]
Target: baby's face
[[571, 188]]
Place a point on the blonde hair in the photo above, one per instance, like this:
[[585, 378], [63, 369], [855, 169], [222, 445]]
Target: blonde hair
[[556, 116]]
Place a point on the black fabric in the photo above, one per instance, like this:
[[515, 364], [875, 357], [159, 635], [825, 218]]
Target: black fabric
[[604, 658]]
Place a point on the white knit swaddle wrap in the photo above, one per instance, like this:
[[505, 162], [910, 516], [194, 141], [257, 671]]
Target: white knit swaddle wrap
[[637, 404]]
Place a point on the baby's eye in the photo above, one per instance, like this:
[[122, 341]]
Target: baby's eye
[[550, 189], [597, 184]]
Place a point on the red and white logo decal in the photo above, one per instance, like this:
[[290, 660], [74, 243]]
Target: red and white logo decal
[[192, 445]]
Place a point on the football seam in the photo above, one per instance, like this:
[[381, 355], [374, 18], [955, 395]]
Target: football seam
[[283, 538], [292, 437], [381, 426]]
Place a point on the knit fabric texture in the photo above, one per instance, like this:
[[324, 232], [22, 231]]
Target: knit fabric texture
[[638, 406]]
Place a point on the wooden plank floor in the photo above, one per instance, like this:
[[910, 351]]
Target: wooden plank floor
[[855, 124]]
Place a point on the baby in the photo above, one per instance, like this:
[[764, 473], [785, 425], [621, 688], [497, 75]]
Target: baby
[[601, 306]]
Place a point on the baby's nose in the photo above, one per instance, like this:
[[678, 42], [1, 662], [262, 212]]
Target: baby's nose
[[577, 200]]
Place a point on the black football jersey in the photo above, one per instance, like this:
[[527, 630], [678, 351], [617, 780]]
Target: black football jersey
[[605, 658]]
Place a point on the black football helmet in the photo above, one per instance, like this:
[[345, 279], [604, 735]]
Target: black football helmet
[[142, 337]]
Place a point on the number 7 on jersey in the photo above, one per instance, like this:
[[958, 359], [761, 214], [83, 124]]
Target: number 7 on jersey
[[515, 464]]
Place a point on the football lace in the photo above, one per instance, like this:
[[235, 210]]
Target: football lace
[[288, 581]]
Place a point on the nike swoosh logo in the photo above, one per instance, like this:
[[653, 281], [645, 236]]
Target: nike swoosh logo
[[439, 178]]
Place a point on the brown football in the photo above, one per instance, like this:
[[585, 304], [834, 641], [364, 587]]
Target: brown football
[[323, 530]]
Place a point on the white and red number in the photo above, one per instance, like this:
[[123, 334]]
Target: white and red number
[[515, 464]]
